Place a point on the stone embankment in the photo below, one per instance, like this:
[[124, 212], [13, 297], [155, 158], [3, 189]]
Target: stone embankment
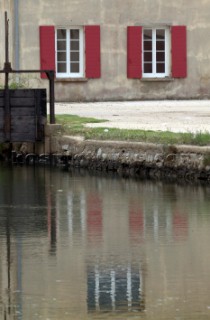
[[137, 159]]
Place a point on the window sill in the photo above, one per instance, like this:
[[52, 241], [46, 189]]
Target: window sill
[[166, 79], [71, 79]]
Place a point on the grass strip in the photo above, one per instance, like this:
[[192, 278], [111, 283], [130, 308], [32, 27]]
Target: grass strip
[[75, 125]]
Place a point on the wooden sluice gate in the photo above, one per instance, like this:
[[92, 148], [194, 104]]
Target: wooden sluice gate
[[26, 117], [23, 112]]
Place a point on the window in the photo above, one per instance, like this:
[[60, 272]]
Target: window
[[159, 52], [69, 52], [73, 52], [155, 53]]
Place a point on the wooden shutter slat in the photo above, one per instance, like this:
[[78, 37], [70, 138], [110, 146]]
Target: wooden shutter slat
[[93, 51], [134, 52], [47, 48], [179, 51]]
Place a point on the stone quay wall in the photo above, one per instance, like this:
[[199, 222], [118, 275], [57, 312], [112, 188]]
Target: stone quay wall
[[145, 160], [135, 159]]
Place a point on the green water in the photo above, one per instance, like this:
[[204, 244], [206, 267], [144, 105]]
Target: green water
[[80, 246]]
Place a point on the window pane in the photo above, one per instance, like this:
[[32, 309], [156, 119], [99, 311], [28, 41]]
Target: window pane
[[74, 67], [160, 34], [61, 45], [154, 52], [74, 45], [147, 67], [74, 34], [147, 34], [74, 56], [160, 56], [160, 67], [69, 46], [148, 56], [62, 67], [160, 45], [61, 56], [148, 45], [61, 34]]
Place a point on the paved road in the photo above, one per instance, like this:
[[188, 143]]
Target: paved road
[[176, 116]]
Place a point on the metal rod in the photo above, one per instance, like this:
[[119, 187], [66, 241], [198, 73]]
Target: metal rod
[[6, 51], [52, 95], [6, 86], [7, 67], [25, 71], [17, 44], [6, 38]]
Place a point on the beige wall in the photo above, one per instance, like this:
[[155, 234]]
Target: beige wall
[[114, 16]]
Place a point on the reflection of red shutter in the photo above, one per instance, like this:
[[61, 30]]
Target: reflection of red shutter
[[136, 223], [180, 225], [134, 52], [94, 218], [136, 220], [93, 51], [47, 48], [179, 51]]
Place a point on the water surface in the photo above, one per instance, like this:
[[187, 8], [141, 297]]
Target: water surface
[[80, 246]]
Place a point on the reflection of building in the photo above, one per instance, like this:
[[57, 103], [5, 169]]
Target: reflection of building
[[156, 222], [114, 289], [98, 245]]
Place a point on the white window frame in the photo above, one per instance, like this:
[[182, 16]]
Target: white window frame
[[155, 74], [69, 74]]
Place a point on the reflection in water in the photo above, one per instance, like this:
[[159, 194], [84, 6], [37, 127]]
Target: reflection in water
[[51, 223], [94, 217], [116, 288], [76, 246]]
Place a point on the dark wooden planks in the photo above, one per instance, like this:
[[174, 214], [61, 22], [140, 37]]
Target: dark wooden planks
[[28, 112]]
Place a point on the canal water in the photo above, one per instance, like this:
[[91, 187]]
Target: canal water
[[81, 246]]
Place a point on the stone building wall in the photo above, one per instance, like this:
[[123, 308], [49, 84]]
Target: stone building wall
[[113, 18]]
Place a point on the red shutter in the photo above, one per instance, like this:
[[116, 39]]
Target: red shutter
[[179, 51], [93, 51], [47, 48], [134, 52]]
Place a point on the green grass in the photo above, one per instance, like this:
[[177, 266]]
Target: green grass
[[75, 125]]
